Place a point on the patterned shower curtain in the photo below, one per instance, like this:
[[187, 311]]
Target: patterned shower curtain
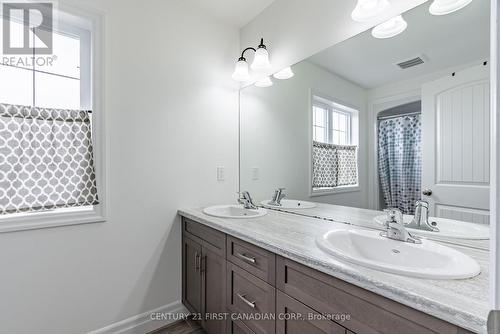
[[400, 161]]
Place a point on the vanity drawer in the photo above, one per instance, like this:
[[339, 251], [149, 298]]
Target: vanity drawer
[[253, 259], [296, 318], [238, 327], [213, 237], [369, 313], [252, 299]]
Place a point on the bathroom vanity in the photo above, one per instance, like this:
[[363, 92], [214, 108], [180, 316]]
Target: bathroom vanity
[[266, 275]]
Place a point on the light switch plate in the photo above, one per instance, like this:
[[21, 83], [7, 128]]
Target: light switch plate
[[255, 173], [221, 173]]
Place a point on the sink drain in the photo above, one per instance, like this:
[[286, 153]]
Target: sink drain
[[395, 251]]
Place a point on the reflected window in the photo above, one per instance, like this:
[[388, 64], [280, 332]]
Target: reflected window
[[331, 125], [335, 146]]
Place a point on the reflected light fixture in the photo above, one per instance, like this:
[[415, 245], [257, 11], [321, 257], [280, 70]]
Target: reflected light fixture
[[284, 74], [264, 82], [366, 10], [260, 63], [443, 7], [390, 28]]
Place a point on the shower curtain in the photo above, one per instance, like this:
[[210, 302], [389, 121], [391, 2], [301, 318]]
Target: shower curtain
[[400, 161]]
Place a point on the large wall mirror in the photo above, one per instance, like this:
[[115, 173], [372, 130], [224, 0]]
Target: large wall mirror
[[370, 124]]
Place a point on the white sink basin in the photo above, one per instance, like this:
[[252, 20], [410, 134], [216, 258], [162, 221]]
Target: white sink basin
[[234, 211], [448, 228], [290, 204], [426, 260]]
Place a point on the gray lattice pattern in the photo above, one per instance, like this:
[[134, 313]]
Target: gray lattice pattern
[[46, 159], [334, 165]]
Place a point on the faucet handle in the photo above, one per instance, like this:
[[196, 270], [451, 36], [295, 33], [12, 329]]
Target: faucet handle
[[394, 215], [422, 202]]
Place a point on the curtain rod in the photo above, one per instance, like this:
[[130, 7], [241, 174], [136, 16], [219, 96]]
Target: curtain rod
[[399, 115]]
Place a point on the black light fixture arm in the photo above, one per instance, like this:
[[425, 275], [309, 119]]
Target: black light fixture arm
[[243, 53], [261, 45]]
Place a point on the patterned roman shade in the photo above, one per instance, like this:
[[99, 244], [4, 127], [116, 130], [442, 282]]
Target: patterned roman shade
[[46, 159], [334, 165]]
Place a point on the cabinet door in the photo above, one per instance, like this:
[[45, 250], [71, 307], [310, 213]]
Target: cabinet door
[[294, 317], [213, 292], [191, 275]]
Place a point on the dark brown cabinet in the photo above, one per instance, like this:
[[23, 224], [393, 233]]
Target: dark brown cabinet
[[204, 276], [226, 276], [191, 278], [213, 291]]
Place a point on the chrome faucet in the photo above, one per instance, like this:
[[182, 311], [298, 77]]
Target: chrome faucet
[[245, 199], [421, 219], [279, 194], [396, 229]]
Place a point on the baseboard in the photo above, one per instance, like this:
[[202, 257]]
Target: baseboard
[[144, 323]]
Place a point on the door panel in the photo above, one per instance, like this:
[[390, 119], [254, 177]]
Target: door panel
[[191, 275], [455, 145], [464, 214], [214, 291]]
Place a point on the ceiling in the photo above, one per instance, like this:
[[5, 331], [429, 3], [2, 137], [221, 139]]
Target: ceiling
[[234, 12], [444, 41]]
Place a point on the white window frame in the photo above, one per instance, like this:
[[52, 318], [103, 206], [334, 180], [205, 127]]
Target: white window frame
[[331, 109], [89, 27], [333, 105]]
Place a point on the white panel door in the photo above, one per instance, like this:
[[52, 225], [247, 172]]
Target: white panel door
[[456, 145]]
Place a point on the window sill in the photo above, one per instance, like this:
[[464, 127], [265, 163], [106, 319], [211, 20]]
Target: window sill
[[32, 221], [333, 191]]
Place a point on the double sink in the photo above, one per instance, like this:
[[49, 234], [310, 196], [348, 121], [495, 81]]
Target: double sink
[[369, 249]]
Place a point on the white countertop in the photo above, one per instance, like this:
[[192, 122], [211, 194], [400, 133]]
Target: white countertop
[[365, 217], [460, 302]]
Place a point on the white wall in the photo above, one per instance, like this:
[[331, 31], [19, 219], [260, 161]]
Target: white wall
[[171, 115], [296, 29], [276, 134]]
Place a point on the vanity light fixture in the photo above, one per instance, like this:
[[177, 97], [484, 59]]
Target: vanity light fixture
[[366, 10], [260, 63], [241, 70], [284, 74], [264, 82], [390, 28], [443, 7], [261, 59]]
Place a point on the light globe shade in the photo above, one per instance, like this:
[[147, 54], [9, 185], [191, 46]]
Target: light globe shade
[[367, 10], [443, 7], [241, 71], [261, 60], [284, 74], [264, 82], [390, 28]]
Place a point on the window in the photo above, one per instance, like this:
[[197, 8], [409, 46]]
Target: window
[[56, 91], [331, 125], [60, 80], [334, 153]]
